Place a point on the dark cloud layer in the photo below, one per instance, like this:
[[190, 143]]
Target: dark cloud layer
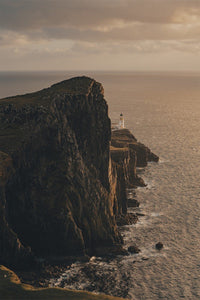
[[78, 27], [27, 15]]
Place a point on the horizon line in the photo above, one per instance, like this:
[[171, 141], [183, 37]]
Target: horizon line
[[105, 71]]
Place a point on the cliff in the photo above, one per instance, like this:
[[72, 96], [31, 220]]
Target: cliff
[[127, 154], [60, 191], [139, 153]]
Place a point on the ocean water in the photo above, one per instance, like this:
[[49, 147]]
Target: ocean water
[[163, 111]]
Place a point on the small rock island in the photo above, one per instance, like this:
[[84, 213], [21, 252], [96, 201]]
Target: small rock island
[[64, 174]]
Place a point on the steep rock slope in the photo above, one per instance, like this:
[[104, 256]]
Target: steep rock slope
[[55, 201], [126, 154]]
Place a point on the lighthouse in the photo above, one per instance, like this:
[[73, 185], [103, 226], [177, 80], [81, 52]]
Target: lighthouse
[[121, 121]]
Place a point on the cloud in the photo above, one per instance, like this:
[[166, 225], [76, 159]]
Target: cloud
[[72, 28], [35, 14], [98, 21], [10, 38]]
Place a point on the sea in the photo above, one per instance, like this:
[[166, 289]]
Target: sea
[[162, 109]]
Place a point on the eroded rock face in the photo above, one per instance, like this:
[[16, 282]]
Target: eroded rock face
[[123, 138], [126, 154], [56, 201]]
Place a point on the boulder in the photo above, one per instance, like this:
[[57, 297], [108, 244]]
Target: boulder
[[159, 246], [127, 219], [133, 203], [133, 249]]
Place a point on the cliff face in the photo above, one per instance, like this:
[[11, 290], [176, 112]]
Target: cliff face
[[11, 249], [126, 155], [56, 198], [61, 185], [123, 138]]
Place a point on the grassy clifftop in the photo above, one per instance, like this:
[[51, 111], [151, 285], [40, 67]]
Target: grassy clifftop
[[74, 86], [12, 288]]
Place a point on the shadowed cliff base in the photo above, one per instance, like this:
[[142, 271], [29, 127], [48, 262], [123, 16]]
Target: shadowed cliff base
[[64, 176]]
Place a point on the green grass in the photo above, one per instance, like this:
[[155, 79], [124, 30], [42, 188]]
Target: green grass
[[12, 288]]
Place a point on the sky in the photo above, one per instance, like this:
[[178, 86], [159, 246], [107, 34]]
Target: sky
[[133, 35]]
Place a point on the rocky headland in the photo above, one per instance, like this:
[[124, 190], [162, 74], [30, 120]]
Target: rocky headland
[[126, 155], [64, 175]]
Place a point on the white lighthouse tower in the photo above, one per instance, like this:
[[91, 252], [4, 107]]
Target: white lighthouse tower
[[121, 121]]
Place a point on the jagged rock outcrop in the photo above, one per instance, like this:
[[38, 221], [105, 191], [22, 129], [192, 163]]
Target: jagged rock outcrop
[[123, 138], [61, 186], [127, 154]]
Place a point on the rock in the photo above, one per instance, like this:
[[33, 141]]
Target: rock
[[126, 155], [159, 246], [124, 139], [41, 284], [133, 249], [140, 214], [126, 219], [133, 203], [111, 252], [153, 157]]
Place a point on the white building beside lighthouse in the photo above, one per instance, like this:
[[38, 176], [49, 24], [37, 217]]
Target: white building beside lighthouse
[[121, 121]]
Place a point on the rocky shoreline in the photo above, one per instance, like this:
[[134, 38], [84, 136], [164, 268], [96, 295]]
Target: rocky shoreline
[[41, 275]]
